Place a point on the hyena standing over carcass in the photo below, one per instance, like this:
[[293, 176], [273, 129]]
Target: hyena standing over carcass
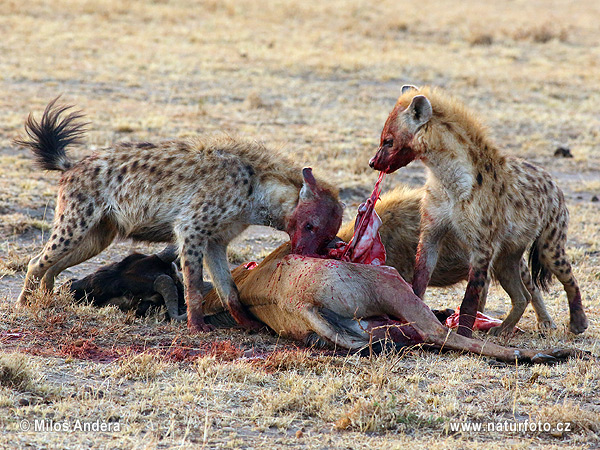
[[400, 214], [498, 205], [200, 194]]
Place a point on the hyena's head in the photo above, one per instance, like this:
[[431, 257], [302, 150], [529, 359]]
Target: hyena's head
[[316, 219], [398, 146]]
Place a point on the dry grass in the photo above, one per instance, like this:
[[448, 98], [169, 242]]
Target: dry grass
[[14, 372], [542, 33], [316, 79]]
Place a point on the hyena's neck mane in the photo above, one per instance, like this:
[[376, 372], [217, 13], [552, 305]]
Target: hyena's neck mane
[[457, 145], [264, 162], [276, 180]]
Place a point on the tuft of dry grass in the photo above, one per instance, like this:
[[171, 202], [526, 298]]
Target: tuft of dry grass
[[14, 372], [480, 38], [42, 303], [542, 33], [16, 224], [13, 262], [142, 366]]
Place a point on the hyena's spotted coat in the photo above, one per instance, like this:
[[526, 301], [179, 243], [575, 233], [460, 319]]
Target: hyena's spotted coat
[[498, 205], [199, 194]]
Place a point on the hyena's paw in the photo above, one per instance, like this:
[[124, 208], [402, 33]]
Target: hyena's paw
[[21, 302], [246, 322], [197, 325], [546, 325], [200, 328], [241, 315], [495, 331], [578, 323], [24, 299], [505, 329], [501, 330]]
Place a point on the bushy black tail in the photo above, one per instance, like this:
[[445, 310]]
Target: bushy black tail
[[539, 273], [49, 138]]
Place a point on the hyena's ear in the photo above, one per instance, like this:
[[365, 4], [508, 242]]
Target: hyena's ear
[[408, 87], [309, 186], [419, 112]]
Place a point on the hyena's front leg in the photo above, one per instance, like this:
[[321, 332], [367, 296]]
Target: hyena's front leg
[[478, 278], [191, 268], [427, 256], [216, 262]]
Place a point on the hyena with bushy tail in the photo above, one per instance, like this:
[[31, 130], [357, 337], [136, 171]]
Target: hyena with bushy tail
[[199, 194], [497, 205]]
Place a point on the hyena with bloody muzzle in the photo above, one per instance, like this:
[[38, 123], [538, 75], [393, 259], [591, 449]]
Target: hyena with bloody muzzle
[[199, 193], [497, 205], [400, 215]]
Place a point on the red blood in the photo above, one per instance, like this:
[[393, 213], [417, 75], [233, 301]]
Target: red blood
[[482, 322], [307, 236], [365, 247], [250, 265]]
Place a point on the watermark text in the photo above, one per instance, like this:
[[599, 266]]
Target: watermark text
[[69, 426], [509, 427]]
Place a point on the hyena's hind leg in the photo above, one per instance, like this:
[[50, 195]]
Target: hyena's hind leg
[[191, 255], [544, 321], [91, 244], [72, 241], [550, 249]]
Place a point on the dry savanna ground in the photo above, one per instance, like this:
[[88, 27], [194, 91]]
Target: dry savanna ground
[[316, 79]]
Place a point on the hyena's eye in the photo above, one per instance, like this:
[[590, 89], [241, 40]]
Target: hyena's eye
[[309, 227], [388, 143]]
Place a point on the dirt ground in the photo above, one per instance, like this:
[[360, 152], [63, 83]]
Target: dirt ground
[[316, 79]]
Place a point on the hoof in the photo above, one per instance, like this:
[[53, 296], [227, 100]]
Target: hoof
[[565, 353], [542, 358]]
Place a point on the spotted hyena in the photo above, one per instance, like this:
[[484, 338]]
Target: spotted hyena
[[498, 205], [199, 193], [400, 215]]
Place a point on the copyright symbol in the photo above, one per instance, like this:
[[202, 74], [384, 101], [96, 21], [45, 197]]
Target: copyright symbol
[[24, 425]]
